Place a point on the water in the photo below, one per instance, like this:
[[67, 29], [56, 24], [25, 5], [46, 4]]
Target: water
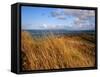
[[58, 32]]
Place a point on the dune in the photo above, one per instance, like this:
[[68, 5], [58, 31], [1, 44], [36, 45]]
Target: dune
[[52, 52]]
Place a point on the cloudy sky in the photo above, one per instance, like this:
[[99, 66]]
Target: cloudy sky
[[56, 18]]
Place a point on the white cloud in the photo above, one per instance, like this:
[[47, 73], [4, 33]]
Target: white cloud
[[58, 13], [82, 18], [45, 25]]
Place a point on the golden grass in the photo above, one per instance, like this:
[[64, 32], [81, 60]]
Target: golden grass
[[55, 53]]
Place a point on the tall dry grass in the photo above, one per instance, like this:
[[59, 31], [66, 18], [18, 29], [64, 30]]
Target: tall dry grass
[[56, 52]]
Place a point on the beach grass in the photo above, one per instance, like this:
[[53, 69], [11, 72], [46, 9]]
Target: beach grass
[[52, 52]]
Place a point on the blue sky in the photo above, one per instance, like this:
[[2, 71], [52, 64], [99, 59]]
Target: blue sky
[[56, 18]]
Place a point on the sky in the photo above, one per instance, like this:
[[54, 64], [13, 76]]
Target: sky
[[42, 18]]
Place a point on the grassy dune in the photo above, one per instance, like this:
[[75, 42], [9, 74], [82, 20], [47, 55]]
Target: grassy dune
[[57, 52]]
